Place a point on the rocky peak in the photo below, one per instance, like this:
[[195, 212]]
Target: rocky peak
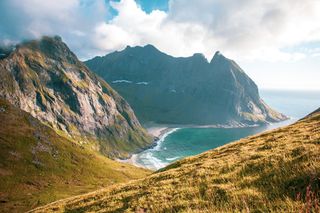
[[219, 58], [146, 51], [5, 50], [199, 57], [44, 78], [150, 47]]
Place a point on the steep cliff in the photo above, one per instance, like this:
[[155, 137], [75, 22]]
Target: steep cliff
[[47, 80]]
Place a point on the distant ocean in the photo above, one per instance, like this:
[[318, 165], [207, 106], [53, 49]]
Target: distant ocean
[[183, 142]]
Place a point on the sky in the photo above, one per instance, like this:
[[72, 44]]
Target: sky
[[277, 43]]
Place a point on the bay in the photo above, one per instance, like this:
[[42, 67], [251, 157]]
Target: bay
[[183, 142]]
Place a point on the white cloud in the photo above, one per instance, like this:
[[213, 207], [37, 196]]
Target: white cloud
[[276, 42], [74, 20], [245, 29]]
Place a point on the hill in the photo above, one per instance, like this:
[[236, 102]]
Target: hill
[[43, 77], [276, 171], [164, 89], [37, 166]]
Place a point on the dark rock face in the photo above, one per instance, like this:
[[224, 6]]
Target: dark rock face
[[165, 89], [6, 50], [47, 80]]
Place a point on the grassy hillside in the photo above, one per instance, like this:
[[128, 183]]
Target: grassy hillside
[[37, 166], [276, 171]]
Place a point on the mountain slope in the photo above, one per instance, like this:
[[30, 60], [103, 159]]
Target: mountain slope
[[37, 166], [165, 89], [276, 171], [47, 80]]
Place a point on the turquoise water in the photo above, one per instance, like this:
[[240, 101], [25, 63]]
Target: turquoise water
[[183, 142]]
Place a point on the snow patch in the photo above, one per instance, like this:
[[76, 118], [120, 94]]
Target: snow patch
[[142, 83], [121, 81]]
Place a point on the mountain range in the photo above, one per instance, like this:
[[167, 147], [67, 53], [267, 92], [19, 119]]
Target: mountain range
[[185, 90]]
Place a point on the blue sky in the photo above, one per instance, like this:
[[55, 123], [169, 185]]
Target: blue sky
[[276, 42], [148, 5]]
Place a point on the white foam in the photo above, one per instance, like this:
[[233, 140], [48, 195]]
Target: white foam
[[147, 158], [151, 162], [172, 159], [163, 137]]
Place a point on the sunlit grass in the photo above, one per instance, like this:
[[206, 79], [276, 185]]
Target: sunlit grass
[[276, 171], [37, 166]]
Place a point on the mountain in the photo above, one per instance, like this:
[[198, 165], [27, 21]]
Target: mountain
[[43, 77], [164, 89], [275, 171], [37, 166]]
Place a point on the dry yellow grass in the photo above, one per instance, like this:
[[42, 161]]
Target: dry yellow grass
[[276, 171]]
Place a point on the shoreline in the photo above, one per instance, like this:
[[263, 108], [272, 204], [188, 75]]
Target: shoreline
[[160, 132], [132, 160], [163, 128]]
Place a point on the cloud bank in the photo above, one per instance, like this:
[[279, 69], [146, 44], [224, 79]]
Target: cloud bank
[[73, 20], [245, 30]]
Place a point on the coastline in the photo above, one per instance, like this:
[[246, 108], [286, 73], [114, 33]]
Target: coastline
[[160, 132], [132, 160]]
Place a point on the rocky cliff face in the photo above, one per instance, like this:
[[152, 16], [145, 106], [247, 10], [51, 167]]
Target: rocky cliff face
[[47, 80], [165, 89]]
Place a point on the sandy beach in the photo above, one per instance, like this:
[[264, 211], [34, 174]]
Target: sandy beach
[[131, 160], [157, 132]]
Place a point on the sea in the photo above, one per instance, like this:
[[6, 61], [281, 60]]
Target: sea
[[182, 142]]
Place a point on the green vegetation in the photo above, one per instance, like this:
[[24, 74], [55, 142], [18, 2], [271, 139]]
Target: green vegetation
[[44, 78], [276, 171], [37, 166]]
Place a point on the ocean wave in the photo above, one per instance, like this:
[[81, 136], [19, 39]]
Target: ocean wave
[[172, 159], [148, 159], [163, 137], [151, 162]]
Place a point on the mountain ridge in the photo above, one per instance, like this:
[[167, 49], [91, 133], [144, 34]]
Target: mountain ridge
[[44, 78], [184, 90]]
